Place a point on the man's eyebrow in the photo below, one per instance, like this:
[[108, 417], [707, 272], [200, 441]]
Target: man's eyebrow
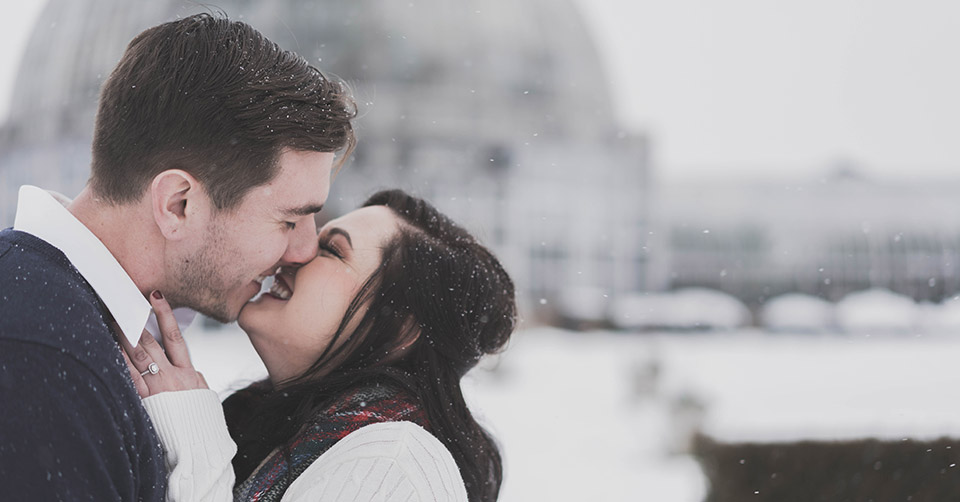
[[337, 230], [303, 210]]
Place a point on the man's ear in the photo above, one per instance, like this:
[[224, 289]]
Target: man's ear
[[176, 199]]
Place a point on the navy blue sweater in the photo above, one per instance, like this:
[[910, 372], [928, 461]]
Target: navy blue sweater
[[71, 423]]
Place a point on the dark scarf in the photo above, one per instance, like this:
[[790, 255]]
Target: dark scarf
[[365, 405]]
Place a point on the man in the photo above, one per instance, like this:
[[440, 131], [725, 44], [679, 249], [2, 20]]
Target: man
[[213, 150]]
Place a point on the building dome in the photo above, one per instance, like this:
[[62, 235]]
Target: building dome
[[471, 67]]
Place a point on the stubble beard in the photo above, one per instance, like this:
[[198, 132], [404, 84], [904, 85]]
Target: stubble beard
[[202, 279]]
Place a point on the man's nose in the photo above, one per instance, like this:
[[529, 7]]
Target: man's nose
[[303, 243]]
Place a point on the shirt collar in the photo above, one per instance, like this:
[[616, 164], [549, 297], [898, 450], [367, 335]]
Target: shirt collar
[[44, 217]]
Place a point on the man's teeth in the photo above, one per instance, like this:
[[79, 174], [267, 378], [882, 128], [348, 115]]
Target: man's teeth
[[280, 291]]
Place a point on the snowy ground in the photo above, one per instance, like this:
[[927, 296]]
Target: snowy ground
[[607, 416]]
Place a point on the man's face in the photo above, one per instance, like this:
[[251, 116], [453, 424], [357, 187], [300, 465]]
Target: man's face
[[273, 226]]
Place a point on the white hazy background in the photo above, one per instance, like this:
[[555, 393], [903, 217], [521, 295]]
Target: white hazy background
[[755, 87], [726, 89]]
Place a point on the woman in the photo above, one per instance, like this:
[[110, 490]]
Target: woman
[[365, 347]]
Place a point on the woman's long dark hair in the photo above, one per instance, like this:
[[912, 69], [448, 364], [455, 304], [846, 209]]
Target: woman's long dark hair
[[437, 287]]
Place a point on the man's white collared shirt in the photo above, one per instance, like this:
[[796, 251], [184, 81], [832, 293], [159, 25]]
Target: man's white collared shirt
[[44, 217]]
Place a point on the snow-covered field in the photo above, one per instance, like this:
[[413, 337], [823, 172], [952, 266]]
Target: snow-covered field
[[607, 416]]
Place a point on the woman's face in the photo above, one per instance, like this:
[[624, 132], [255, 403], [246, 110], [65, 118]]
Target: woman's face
[[292, 324]]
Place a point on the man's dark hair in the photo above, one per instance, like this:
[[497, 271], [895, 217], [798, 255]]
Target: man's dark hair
[[217, 99]]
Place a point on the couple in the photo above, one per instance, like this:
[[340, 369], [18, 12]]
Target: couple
[[213, 151]]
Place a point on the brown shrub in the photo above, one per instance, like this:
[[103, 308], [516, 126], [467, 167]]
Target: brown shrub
[[849, 471]]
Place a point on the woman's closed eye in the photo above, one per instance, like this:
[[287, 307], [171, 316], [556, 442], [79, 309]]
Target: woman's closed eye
[[335, 241], [329, 247]]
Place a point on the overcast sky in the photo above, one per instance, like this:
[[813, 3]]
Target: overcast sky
[[753, 87]]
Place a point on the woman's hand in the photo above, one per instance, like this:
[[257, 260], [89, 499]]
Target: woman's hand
[[173, 370]]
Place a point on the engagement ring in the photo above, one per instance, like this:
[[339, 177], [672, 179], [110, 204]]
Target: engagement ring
[[153, 369]]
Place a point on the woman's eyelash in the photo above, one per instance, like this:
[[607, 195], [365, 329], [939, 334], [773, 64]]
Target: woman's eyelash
[[330, 249]]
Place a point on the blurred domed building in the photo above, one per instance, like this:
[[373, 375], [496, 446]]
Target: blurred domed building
[[826, 236], [497, 111]]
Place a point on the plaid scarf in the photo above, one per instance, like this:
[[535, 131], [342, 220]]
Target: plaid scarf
[[368, 404]]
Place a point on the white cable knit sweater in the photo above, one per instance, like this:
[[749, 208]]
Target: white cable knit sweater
[[385, 462]]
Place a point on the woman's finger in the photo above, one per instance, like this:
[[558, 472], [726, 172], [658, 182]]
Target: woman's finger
[[173, 341], [136, 355], [138, 382], [153, 350]]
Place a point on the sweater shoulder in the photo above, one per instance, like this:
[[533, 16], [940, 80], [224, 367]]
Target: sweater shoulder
[[389, 439], [44, 300], [46, 304], [383, 461]]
